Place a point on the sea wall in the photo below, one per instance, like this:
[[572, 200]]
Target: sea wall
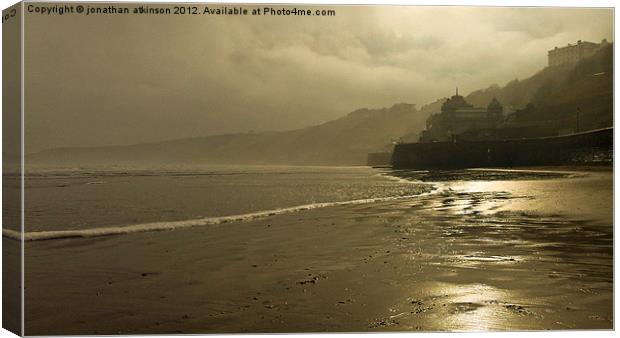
[[379, 159], [505, 153]]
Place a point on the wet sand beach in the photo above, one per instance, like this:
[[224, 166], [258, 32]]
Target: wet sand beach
[[508, 253]]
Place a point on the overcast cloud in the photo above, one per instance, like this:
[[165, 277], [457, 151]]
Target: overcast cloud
[[93, 81]]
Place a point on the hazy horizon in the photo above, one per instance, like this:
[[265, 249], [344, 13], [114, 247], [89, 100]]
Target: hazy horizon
[[133, 79]]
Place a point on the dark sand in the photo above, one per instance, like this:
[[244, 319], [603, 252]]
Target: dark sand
[[494, 255]]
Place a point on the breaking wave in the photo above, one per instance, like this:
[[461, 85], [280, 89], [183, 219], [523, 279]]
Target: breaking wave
[[174, 225]]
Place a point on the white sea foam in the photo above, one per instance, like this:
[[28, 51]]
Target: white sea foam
[[174, 225], [410, 180]]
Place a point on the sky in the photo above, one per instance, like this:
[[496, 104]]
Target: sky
[[116, 80]]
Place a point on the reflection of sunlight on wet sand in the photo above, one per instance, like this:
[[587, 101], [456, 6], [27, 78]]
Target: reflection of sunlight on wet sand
[[481, 260], [510, 255], [483, 186], [474, 307], [495, 195], [557, 196]]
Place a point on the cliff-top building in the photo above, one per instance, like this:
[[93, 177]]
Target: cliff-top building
[[572, 54], [458, 116]]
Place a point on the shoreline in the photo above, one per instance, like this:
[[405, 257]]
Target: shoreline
[[468, 258], [190, 223], [566, 168], [121, 229]]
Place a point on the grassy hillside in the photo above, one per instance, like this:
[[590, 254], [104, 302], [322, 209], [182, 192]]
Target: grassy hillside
[[345, 141], [588, 87], [556, 93], [516, 94]]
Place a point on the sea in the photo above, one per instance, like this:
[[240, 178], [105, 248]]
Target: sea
[[87, 202]]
